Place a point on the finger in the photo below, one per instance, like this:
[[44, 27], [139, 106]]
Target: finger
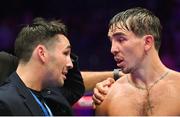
[[100, 88], [98, 95], [103, 86], [93, 105], [109, 82], [96, 101]]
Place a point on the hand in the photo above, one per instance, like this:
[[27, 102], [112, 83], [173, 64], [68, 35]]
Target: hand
[[101, 90]]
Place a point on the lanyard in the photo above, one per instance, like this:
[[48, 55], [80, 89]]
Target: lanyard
[[46, 110]]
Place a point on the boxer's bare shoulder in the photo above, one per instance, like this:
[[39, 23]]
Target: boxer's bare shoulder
[[125, 99]]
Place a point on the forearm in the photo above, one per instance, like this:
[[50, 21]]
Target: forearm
[[91, 78]]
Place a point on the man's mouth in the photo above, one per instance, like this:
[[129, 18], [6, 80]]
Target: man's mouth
[[119, 61], [64, 75]]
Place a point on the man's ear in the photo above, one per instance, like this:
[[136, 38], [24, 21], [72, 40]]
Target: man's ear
[[42, 53], [148, 42]]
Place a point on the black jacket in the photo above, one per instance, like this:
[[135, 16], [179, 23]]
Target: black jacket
[[16, 99], [57, 98]]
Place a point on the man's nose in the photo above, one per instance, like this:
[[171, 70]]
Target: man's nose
[[114, 47], [69, 63]]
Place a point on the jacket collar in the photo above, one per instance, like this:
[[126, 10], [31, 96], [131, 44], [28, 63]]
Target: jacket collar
[[24, 91]]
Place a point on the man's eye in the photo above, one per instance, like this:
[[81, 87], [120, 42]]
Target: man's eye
[[66, 53], [120, 39]]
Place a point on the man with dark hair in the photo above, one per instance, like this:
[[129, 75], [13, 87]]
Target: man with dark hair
[[149, 87], [44, 52], [72, 89]]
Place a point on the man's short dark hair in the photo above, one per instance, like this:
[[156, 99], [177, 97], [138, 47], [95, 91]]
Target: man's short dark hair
[[39, 32]]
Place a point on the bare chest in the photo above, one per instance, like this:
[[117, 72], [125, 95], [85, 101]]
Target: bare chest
[[158, 101]]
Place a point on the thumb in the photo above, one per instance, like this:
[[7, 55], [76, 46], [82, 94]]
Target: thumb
[[109, 81]]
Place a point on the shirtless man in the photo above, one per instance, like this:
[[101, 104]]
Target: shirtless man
[[149, 87]]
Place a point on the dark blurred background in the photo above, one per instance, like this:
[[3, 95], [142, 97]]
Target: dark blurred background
[[87, 22]]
